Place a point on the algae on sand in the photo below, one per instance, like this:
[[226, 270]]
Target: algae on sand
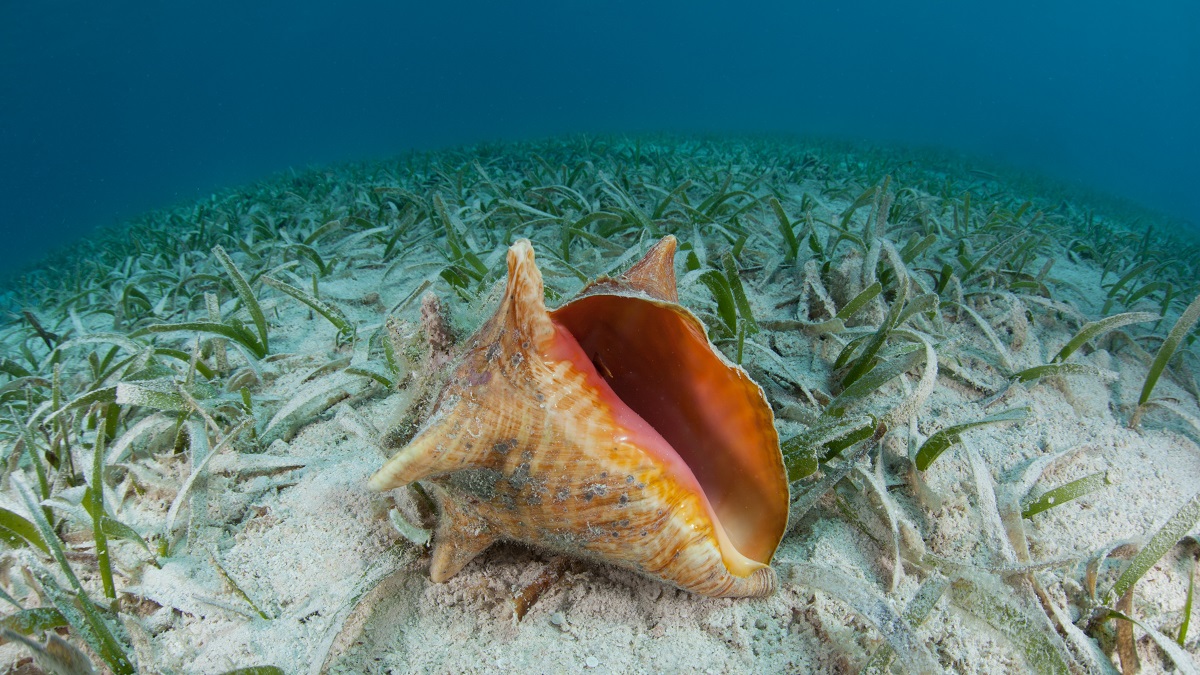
[[881, 296]]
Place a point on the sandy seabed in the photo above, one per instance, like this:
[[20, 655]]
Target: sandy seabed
[[330, 585]]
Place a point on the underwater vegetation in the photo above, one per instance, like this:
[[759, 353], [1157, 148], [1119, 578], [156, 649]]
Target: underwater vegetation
[[895, 308], [609, 427]]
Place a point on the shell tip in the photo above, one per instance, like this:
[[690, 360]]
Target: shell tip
[[460, 537], [654, 274], [379, 482], [524, 303]]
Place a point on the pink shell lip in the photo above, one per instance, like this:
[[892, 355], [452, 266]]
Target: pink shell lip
[[714, 419], [632, 428]]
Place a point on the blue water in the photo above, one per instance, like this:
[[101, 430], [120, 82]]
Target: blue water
[[110, 109]]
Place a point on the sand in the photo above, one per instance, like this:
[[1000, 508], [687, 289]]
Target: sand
[[296, 528]]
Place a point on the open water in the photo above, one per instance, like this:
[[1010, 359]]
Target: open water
[[110, 109]]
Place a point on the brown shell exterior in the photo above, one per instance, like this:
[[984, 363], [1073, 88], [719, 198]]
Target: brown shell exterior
[[520, 447]]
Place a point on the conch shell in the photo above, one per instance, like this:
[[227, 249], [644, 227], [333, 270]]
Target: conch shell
[[611, 429]]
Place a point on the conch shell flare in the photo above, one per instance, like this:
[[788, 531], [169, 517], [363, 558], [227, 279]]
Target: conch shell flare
[[609, 428]]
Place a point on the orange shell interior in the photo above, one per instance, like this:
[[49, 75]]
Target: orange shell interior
[[658, 361]]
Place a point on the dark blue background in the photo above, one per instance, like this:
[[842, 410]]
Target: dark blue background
[[109, 110]]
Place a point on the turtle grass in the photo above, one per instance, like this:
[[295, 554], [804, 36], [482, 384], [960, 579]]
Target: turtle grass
[[160, 339]]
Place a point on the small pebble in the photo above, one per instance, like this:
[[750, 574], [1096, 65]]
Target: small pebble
[[557, 619], [592, 662]]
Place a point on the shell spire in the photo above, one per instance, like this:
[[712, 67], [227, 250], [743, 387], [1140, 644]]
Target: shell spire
[[609, 428]]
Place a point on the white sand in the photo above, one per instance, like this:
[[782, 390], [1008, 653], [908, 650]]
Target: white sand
[[300, 540]]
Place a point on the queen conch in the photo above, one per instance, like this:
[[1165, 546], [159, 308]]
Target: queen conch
[[609, 428]]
